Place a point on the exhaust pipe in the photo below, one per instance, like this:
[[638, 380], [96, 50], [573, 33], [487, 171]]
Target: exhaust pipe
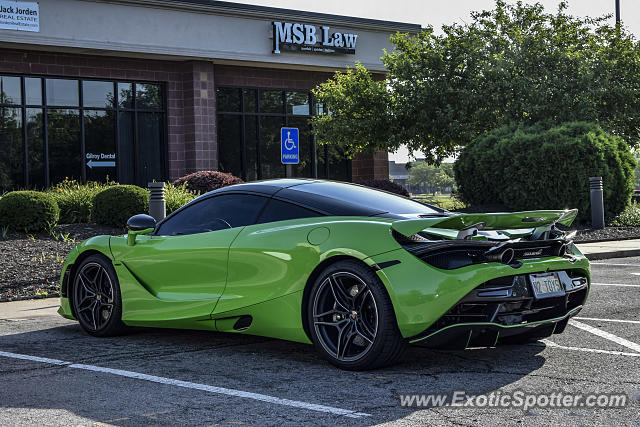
[[504, 257]]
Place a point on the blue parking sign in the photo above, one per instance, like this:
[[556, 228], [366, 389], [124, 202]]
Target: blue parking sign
[[289, 148]]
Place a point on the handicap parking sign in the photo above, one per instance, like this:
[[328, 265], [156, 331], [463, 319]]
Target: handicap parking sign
[[289, 148]]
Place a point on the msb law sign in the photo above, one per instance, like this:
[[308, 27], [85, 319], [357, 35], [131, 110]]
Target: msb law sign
[[310, 38]]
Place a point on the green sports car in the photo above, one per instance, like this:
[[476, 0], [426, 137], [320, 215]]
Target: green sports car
[[358, 272]]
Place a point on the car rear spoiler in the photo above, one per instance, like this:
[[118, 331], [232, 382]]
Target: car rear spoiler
[[491, 221]]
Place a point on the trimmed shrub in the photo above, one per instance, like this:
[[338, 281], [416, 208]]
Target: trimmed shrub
[[536, 167], [204, 181], [116, 204], [75, 200], [630, 217], [28, 211], [386, 185], [177, 196]]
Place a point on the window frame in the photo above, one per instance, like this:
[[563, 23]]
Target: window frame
[[313, 109], [164, 157]]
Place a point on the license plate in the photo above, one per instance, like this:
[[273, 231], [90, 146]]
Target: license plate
[[546, 285]]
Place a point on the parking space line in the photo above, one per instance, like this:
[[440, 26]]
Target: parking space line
[[606, 335], [589, 350], [194, 386], [616, 284], [608, 320], [614, 264]]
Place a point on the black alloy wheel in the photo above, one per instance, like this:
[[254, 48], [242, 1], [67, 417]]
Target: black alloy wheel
[[96, 297], [351, 318]]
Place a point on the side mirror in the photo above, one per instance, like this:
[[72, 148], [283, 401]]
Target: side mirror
[[139, 224]]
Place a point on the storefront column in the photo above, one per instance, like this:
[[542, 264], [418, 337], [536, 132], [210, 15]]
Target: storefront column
[[199, 119], [368, 166]]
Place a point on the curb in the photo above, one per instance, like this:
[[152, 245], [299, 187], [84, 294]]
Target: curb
[[613, 254]]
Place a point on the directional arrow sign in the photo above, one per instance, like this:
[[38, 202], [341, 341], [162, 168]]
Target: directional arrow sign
[[93, 164]]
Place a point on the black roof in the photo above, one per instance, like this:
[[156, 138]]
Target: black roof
[[331, 197]]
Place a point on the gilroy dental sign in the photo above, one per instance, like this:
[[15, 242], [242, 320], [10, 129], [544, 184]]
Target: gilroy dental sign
[[309, 38]]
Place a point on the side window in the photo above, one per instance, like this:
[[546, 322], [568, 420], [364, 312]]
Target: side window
[[277, 210], [214, 213]]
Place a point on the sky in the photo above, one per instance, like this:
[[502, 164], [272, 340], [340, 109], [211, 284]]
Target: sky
[[438, 12]]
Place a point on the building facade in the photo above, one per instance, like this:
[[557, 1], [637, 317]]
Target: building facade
[[139, 90]]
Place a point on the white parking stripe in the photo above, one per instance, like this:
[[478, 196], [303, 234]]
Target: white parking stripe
[[194, 386], [613, 264], [608, 320], [616, 284], [589, 350], [606, 335], [636, 274]]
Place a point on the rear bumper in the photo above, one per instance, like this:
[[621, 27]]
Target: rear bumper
[[505, 307], [487, 334]]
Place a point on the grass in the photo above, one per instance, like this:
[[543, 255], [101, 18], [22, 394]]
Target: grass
[[447, 202]]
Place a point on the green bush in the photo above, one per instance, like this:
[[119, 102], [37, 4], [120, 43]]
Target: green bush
[[28, 211], [177, 195], [116, 204], [546, 168], [630, 217], [75, 200]]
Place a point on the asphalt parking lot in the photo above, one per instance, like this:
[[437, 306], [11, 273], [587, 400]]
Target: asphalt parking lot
[[168, 377]]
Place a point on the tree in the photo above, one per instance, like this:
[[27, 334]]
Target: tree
[[513, 64], [432, 177]]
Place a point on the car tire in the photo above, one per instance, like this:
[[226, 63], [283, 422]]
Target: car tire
[[96, 299], [351, 318]]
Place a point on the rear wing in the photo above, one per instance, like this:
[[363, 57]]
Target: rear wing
[[490, 221]]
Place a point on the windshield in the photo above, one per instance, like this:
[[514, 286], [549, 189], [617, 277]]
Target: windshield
[[375, 199]]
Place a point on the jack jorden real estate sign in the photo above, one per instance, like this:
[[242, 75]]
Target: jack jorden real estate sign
[[309, 38]]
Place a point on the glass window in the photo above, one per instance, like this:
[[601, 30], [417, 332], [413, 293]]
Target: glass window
[[63, 128], [270, 162], [126, 143], [214, 213], [33, 89], [10, 90], [148, 96], [277, 210], [228, 99], [11, 149], [366, 197], [125, 95], [97, 94], [100, 145], [35, 152], [298, 103], [62, 92], [249, 100], [304, 167], [271, 101], [230, 144], [149, 148], [251, 148]]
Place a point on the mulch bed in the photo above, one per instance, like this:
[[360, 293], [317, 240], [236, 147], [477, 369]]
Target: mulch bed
[[30, 265]]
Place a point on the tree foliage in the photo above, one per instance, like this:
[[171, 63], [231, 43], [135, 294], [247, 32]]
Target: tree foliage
[[434, 178], [516, 63]]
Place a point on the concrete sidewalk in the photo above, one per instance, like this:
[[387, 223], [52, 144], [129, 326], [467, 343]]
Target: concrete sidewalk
[[612, 249], [29, 309]]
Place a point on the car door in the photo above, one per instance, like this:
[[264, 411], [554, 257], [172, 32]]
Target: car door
[[185, 259]]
